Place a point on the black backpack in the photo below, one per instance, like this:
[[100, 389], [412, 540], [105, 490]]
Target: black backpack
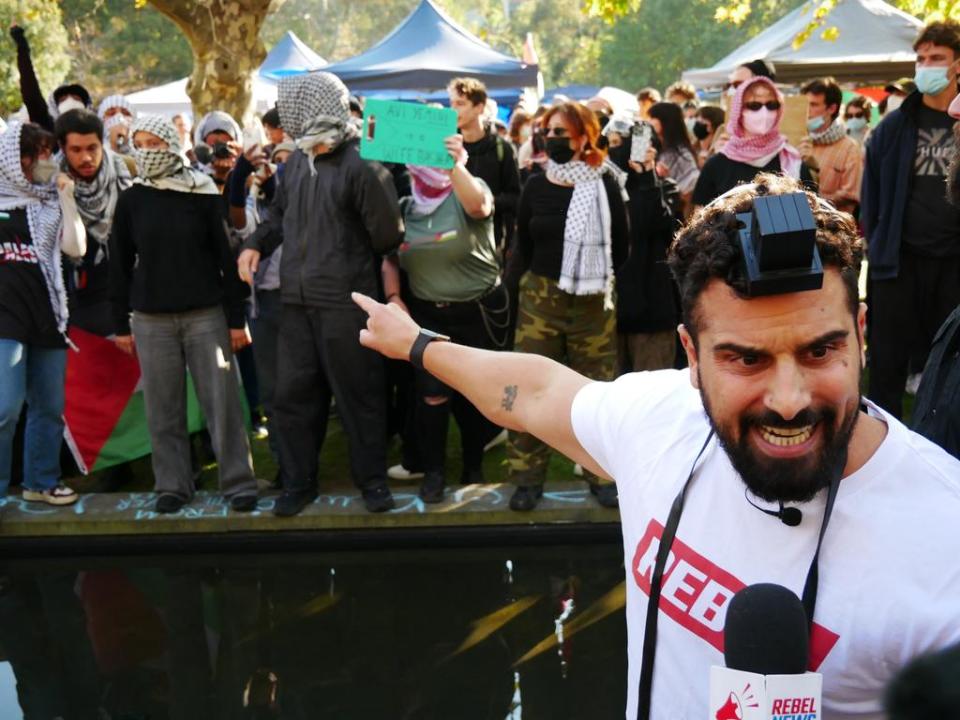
[[936, 414]]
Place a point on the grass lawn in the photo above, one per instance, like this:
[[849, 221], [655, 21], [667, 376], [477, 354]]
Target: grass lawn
[[335, 466]]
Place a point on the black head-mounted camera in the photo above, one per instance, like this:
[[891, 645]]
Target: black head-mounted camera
[[779, 245]]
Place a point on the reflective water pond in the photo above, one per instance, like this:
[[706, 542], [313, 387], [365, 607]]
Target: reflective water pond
[[499, 634]]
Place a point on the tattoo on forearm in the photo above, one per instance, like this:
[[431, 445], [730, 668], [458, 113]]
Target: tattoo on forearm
[[509, 396]]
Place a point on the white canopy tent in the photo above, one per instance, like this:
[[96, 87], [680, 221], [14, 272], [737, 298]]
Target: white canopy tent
[[171, 99], [875, 44]]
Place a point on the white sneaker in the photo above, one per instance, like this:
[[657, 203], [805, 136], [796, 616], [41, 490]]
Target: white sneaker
[[500, 439], [399, 472], [59, 494]]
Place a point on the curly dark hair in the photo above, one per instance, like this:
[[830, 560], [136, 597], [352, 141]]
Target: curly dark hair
[[708, 246]]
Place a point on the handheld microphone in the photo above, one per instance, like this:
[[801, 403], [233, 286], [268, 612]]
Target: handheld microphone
[[766, 650], [791, 516]]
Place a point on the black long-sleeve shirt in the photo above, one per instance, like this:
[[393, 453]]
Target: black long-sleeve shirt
[[169, 253], [542, 215], [334, 224], [492, 160], [29, 86]]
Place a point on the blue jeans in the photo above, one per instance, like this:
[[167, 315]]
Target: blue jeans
[[35, 375]]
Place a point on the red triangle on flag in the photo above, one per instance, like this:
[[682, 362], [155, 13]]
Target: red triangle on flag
[[100, 380]]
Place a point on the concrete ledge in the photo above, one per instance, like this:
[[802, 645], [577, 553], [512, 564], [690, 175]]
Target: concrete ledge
[[131, 515]]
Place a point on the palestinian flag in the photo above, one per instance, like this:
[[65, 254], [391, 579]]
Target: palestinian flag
[[105, 420]]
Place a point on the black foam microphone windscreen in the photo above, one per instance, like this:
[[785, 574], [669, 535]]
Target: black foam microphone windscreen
[[766, 631]]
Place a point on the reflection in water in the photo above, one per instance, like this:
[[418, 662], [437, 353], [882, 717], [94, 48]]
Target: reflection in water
[[396, 635]]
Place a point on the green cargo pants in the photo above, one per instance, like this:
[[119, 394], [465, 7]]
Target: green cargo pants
[[572, 329]]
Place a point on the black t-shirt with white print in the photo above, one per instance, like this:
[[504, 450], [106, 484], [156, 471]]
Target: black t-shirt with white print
[[931, 224], [25, 311]]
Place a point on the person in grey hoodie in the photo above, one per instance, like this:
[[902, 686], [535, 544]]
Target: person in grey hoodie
[[335, 215]]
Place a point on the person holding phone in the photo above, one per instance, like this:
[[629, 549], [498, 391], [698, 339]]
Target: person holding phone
[[755, 144]]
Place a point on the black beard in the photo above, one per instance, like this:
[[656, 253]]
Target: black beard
[[792, 480]]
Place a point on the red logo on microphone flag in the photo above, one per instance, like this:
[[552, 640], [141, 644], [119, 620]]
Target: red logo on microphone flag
[[732, 709], [695, 592]]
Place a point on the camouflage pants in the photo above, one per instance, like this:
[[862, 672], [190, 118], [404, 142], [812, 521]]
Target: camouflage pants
[[572, 329]]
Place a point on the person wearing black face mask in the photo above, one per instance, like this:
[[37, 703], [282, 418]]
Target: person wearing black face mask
[[706, 131], [647, 309], [572, 234]]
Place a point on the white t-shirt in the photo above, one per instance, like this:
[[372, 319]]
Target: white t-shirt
[[889, 568]]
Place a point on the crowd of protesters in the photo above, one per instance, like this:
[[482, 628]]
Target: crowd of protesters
[[549, 235]]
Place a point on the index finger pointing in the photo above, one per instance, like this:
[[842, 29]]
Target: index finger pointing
[[367, 304]]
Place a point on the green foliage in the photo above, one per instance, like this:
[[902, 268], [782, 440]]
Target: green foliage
[[119, 48], [48, 44]]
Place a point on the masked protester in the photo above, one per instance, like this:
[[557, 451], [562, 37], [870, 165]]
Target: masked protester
[[334, 214], [677, 160], [912, 229], [66, 97], [38, 221], [755, 144], [454, 288], [572, 235], [857, 116], [647, 311], [707, 132], [171, 265]]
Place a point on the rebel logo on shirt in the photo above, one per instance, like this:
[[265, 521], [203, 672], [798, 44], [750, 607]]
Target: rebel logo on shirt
[[11, 252], [695, 592]]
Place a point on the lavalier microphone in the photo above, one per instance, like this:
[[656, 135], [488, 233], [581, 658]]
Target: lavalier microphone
[[790, 516]]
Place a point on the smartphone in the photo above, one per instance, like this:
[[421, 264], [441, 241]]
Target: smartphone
[[253, 135], [642, 135]]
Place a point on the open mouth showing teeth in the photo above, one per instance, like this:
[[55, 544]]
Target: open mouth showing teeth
[[786, 437]]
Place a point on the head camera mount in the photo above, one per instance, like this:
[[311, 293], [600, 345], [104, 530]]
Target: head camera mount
[[778, 239]]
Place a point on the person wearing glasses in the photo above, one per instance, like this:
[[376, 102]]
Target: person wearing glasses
[[857, 116], [572, 234], [755, 144]]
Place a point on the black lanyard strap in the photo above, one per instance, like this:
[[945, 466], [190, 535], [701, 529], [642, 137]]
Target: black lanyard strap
[[656, 581]]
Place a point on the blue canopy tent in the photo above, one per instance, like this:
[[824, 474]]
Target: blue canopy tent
[[425, 52], [579, 93], [290, 56]]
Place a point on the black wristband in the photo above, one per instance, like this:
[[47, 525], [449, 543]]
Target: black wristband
[[420, 345]]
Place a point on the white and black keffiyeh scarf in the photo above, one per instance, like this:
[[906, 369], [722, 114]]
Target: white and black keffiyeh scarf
[[43, 217], [166, 169], [587, 267], [97, 198], [834, 133], [115, 101], [315, 110]]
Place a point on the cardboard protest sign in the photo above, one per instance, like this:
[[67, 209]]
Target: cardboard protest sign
[[409, 133]]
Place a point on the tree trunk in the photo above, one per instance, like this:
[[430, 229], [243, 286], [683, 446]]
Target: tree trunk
[[225, 38]]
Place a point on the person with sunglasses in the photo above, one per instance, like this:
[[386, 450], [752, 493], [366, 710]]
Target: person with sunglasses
[[572, 233], [857, 116], [755, 144]]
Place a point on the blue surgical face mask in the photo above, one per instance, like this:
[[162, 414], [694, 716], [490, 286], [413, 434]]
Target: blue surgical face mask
[[857, 124], [815, 123], [931, 80]]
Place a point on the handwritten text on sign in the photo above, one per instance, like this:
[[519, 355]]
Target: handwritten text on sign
[[408, 133]]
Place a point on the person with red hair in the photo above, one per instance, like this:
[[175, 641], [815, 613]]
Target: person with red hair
[[572, 234]]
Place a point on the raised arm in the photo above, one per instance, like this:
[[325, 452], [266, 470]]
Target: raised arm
[[518, 391]]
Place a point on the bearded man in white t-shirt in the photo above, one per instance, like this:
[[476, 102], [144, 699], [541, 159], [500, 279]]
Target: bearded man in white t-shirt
[[777, 380]]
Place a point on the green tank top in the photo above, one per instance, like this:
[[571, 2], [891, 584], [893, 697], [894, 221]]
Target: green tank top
[[448, 255]]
